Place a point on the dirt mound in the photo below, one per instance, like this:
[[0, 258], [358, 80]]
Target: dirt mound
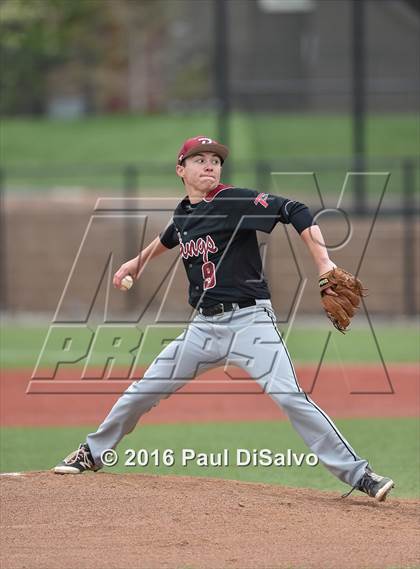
[[122, 521]]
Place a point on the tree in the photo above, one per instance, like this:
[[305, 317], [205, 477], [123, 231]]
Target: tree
[[36, 35]]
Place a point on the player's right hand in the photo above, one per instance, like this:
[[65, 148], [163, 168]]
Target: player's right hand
[[131, 267]]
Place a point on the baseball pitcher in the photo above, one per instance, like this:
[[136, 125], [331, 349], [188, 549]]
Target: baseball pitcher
[[215, 228]]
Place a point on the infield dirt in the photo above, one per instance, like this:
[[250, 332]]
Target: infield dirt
[[349, 391], [136, 521]]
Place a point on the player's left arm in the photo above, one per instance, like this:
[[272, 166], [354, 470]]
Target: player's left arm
[[261, 211], [341, 292], [314, 241], [299, 215]]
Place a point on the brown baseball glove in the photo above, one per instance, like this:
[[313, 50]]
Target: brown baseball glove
[[341, 307]]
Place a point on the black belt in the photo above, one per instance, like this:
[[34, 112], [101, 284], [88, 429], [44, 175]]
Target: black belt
[[224, 307]]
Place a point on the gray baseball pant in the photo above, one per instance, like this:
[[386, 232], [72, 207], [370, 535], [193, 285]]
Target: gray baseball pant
[[247, 338]]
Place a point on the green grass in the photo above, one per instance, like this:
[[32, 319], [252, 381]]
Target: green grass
[[91, 152], [131, 138], [20, 346], [391, 446]]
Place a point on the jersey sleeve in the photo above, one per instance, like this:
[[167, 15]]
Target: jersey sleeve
[[169, 237], [261, 211]]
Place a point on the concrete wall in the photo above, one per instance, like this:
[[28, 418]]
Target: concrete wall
[[44, 238]]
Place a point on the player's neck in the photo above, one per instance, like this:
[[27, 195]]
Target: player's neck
[[195, 195]]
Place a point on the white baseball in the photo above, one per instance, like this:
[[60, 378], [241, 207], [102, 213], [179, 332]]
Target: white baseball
[[127, 282]]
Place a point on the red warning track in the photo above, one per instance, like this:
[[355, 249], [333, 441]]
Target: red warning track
[[350, 391]]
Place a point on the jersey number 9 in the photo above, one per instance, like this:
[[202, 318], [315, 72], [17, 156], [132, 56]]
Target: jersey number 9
[[208, 271]]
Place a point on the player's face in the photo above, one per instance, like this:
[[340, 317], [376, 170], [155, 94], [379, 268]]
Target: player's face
[[201, 172]]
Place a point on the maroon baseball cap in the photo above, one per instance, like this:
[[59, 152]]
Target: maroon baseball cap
[[202, 144]]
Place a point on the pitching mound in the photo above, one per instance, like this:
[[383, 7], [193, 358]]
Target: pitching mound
[[136, 521]]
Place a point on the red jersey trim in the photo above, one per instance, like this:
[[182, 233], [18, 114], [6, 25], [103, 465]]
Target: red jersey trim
[[213, 193]]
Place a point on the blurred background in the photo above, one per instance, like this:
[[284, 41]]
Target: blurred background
[[98, 95]]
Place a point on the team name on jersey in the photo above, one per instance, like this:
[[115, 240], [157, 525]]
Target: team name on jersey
[[197, 247]]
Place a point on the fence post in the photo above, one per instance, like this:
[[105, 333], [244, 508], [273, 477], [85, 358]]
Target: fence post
[[409, 255], [262, 176], [221, 76], [359, 103], [131, 238], [3, 246]]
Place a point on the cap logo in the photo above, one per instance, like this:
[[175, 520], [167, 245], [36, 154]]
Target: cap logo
[[205, 140]]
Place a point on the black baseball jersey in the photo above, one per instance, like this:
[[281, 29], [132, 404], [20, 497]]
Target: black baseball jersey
[[218, 241]]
